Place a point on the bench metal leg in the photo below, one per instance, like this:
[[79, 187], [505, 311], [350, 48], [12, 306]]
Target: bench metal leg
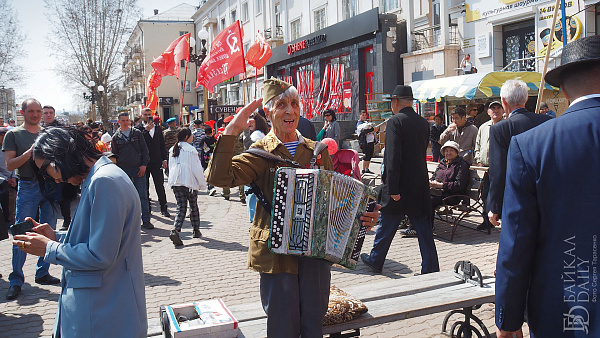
[[464, 329]]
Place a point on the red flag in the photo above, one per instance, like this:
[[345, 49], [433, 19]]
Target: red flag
[[259, 53], [225, 60], [168, 62], [153, 82]]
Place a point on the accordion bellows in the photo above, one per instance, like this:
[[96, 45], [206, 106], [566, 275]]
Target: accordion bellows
[[316, 213]]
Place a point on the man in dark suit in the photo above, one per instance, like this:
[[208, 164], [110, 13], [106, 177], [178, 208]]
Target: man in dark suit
[[405, 188], [547, 259], [513, 95], [155, 142]]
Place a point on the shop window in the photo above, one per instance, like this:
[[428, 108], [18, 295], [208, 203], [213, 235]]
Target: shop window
[[187, 87], [233, 15], [320, 20], [295, 30], [183, 33], [258, 6], [369, 73], [336, 90], [303, 81], [519, 44], [348, 9], [223, 23], [245, 16], [278, 14], [389, 5]]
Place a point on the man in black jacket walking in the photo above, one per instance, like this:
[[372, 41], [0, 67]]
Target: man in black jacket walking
[[405, 188], [158, 154], [129, 145]]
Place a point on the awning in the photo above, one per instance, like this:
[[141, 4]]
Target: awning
[[473, 86]]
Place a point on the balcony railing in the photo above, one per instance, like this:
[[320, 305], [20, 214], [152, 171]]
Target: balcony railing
[[431, 37], [278, 34]]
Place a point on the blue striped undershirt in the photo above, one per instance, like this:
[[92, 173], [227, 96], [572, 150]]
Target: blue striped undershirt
[[291, 147]]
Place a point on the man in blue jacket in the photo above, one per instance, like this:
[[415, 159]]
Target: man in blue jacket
[[548, 255]]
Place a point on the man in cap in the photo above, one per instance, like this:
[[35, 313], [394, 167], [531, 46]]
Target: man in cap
[[294, 290], [547, 257], [513, 96], [405, 184], [150, 127], [170, 134], [482, 151]]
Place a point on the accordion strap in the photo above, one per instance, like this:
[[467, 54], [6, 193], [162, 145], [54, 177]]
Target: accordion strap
[[319, 146]]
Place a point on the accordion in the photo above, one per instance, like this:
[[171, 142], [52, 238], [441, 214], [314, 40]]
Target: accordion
[[316, 213]]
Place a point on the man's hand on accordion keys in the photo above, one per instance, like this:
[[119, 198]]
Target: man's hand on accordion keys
[[369, 218]]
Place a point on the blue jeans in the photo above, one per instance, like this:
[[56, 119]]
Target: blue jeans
[[250, 203], [385, 234], [29, 201], [140, 185]]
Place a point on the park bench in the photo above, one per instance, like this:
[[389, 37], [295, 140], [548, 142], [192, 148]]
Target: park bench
[[472, 202], [399, 299]]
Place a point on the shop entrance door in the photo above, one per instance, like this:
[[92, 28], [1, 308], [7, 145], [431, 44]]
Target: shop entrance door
[[519, 43]]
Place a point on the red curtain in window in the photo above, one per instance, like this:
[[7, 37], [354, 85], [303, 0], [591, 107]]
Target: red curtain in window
[[304, 82], [330, 95]]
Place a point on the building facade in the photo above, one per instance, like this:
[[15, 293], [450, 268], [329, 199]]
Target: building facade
[[149, 40]]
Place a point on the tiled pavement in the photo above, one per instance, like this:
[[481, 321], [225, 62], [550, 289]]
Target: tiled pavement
[[215, 267]]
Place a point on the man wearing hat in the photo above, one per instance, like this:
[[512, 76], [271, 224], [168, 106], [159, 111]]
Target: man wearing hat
[[405, 187], [513, 96], [547, 257], [294, 290], [170, 133], [482, 151]]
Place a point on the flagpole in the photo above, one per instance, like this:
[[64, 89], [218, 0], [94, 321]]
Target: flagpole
[[548, 50]]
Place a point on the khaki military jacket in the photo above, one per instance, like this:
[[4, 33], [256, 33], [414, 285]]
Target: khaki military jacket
[[226, 170]]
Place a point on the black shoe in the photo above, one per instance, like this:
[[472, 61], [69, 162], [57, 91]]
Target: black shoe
[[365, 258], [484, 226], [13, 292], [165, 212], [197, 233], [147, 225], [226, 198], [64, 228], [174, 236], [243, 202], [47, 280]]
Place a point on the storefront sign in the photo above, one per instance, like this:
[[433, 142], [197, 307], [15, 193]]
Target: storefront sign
[[294, 47], [482, 9], [165, 101], [224, 109]]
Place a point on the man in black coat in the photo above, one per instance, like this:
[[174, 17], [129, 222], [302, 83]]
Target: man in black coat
[[155, 142], [405, 188], [513, 95]]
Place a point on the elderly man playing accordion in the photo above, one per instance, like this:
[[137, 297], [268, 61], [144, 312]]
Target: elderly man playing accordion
[[294, 290]]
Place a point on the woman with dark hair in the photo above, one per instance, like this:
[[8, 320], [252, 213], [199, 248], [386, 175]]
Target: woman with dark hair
[[331, 127], [258, 128], [103, 277], [185, 178]]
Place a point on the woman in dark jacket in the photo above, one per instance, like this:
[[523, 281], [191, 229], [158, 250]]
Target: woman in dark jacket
[[450, 178]]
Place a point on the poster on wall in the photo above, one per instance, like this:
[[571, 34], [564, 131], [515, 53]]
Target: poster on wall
[[574, 27]]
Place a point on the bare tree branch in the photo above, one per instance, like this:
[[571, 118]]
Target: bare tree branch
[[10, 40], [90, 36]]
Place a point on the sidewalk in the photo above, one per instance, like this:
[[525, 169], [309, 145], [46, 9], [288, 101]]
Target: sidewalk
[[214, 266]]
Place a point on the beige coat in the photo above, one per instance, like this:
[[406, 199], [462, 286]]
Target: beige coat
[[246, 168]]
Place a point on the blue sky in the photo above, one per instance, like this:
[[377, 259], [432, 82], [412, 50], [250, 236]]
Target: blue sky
[[39, 78]]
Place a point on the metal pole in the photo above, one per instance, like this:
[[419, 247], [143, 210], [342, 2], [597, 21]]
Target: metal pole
[[205, 96], [93, 106], [564, 22], [548, 50]]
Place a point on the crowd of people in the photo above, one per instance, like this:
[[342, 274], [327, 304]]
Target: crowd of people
[[535, 163]]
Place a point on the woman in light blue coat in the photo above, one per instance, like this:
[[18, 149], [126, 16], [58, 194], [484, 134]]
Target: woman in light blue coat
[[102, 280]]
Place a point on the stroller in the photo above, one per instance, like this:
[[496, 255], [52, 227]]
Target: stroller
[[345, 161]]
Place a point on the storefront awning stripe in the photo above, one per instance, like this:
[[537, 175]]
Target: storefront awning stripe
[[479, 85]]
